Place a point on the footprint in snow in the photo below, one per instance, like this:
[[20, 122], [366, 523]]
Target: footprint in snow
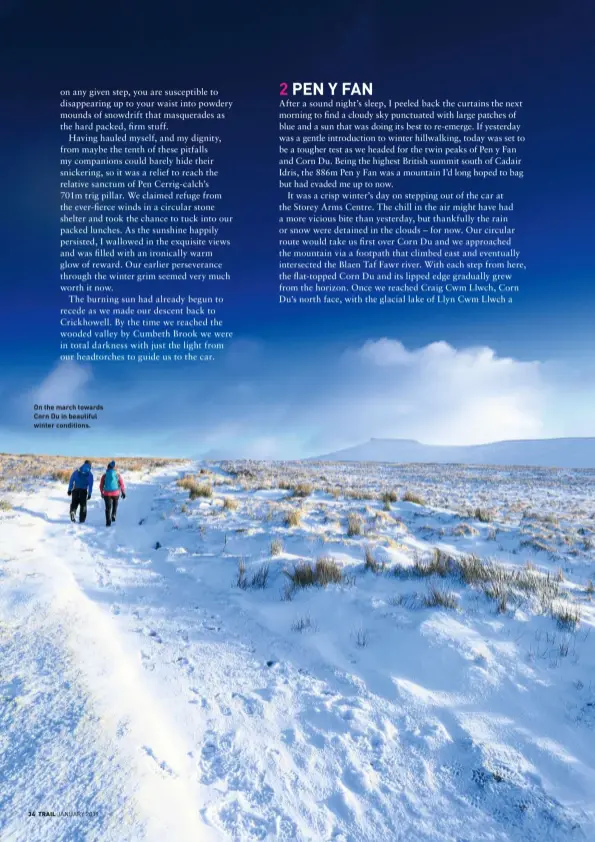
[[160, 763], [152, 634], [225, 709], [203, 701], [265, 693], [250, 705], [354, 780], [146, 661], [185, 664], [231, 816], [214, 758]]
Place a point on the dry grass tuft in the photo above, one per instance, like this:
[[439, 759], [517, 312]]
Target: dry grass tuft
[[483, 515], [440, 564], [371, 562], [413, 497], [200, 490], [324, 572], [355, 525], [439, 598], [241, 580], [303, 489], [304, 624], [388, 497], [499, 583], [465, 529], [258, 580], [359, 494], [498, 593], [260, 577], [327, 571], [293, 518], [194, 486], [566, 615]]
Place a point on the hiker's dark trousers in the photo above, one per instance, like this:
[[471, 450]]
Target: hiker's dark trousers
[[111, 509], [79, 498]]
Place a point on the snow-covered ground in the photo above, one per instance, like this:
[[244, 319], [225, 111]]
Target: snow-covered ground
[[147, 682]]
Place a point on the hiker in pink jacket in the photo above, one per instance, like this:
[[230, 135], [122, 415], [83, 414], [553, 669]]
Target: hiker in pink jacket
[[111, 486]]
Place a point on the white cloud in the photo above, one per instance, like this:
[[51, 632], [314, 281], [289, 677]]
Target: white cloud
[[436, 394], [63, 385]]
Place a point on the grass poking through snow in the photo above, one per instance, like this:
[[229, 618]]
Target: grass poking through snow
[[355, 525], [324, 572]]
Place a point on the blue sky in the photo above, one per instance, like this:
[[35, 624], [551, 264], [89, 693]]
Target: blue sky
[[300, 382]]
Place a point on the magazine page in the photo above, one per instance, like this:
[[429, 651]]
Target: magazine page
[[297, 470]]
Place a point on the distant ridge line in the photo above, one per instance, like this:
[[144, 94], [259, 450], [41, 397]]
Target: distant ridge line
[[571, 452]]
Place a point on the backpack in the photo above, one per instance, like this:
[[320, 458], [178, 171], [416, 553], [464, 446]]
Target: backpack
[[81, 479], [111, 481]]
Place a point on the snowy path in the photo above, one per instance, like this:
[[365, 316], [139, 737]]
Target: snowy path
[[95, 731], [136, 684]]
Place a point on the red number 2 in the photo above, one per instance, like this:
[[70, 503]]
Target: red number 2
[[283, 89]]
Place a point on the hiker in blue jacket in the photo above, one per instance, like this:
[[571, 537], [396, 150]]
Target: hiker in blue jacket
[[79, 490]]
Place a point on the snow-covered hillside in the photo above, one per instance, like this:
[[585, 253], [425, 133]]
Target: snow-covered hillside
[[555, 453], [168, 678]]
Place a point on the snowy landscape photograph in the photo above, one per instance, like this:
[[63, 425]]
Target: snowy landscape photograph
[[306, 650]]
